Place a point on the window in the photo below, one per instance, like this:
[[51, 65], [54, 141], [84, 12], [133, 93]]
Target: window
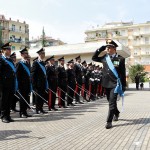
[[146, 40], [20, 28], [96, 34], [13, 27], [123, 32]]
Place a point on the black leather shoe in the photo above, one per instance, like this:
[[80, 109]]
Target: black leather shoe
[[37, 112], [43, 112], [10, 119], [65, 107], [14, 110], [72, 104], [108, 125], [54, 109], [5, 120], [115, 117], [23, 116], [28, 115]]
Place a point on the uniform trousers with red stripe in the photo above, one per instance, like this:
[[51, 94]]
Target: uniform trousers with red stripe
[[52, 94], [62, 89]]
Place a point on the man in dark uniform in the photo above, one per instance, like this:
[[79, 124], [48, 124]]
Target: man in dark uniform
[[24, 82], [33, 95], [96, 80], [71, 82], [15, 99], [137, 81], [87, 79], [109, 80], [52, 78], [84, 81], [8, 82], [62, 83], [91, 75], [78, 73], [39, 80]]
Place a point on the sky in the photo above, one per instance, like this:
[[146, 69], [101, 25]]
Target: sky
[[67, 20]]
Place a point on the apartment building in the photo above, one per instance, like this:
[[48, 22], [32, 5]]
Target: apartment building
[[134, 36], [15, 32]]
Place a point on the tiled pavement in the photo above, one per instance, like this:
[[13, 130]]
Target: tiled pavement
[[82, 127]]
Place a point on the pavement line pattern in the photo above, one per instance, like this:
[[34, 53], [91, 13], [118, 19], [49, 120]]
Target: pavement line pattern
[[82, 127]]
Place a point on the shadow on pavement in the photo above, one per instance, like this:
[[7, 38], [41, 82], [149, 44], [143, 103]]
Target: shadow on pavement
[[142, 121], [69, 113], [6, 134], [15, 134]]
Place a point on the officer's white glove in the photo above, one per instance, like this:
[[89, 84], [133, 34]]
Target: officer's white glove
[[91, 79]]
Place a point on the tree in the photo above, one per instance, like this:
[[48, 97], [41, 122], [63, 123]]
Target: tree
[[137, 69], [43, 38]]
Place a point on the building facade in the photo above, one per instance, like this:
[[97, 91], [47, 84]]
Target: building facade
[[135, 36], [15, 32], [49, 41]]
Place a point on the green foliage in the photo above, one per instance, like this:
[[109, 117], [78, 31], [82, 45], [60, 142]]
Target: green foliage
[[137, 69]]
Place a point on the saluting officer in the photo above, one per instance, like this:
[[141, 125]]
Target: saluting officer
[[109, 80], [78, 73], [39, 80], [52, 78], [62, 83], [8, 82], [24, 82], [71, 82]]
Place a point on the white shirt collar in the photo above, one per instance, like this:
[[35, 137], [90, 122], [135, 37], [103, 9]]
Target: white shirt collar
[[5, 56], [114, 55], [23, 60], [40, 60]]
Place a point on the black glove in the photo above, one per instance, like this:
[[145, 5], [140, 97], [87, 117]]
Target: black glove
[[102, 48]]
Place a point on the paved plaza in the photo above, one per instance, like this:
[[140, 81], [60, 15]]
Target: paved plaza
[[82, 127]]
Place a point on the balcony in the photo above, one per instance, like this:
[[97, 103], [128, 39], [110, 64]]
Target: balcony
[[145, 53], [17, 40], [136, 54], [18, 31], [2, 28]]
